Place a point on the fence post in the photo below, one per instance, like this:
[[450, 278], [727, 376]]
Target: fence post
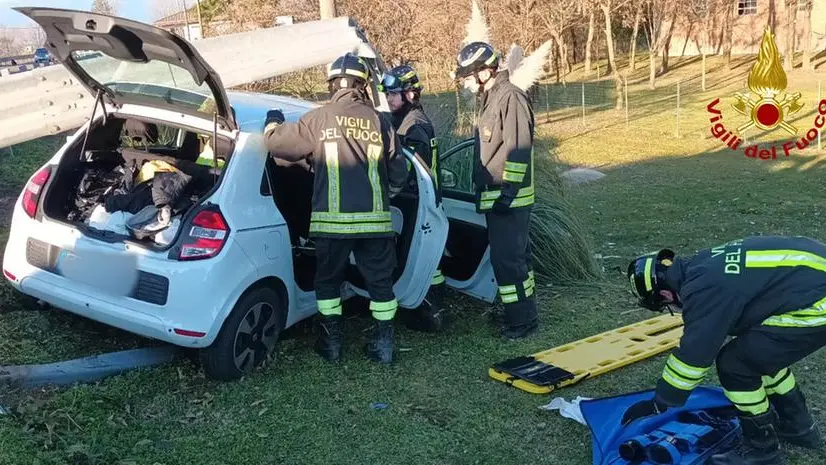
[[678, 109], [583, 103], [547, 103], [625, 81]]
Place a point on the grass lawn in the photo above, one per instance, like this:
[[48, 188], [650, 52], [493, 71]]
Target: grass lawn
[[686, 193]]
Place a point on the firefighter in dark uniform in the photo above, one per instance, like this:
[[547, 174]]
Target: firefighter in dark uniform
[[403, 89], [770, 293], [355, 155], [503, 175]]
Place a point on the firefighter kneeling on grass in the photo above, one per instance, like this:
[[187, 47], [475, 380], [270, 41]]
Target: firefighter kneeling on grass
[[403, 89], [769, 292], [355, 153], [503, 174]]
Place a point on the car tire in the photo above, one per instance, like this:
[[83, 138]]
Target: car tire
[[248, 336]]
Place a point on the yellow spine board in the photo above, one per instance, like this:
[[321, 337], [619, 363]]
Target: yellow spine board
[[595, 355]]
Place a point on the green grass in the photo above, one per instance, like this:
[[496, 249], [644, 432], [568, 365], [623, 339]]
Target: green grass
[[685, 193]]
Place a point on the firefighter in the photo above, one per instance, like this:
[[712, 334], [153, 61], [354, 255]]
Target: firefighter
[[403, 89], [503, 175], [355, 155], [769, 292]]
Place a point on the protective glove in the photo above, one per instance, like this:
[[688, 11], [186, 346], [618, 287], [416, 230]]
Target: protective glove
[[274, 118], [501, 206], [643, 409]]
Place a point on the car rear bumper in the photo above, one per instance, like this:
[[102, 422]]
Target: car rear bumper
[[179, 304]]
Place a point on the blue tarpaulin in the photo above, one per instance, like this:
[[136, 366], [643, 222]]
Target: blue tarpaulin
[[603, 417]]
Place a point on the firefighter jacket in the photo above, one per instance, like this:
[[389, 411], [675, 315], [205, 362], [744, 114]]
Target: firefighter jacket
[[416, 131], [503, 169], [355, 153], [768, 282]]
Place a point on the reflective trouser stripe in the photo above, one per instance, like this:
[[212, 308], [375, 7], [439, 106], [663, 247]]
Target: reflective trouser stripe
[[682, 375], [781, 383], [524, 197], [333, 186], [329, 306], [373, 156], [509, 293], [529, 284], [438, 278], [384, 311], [753, 402]]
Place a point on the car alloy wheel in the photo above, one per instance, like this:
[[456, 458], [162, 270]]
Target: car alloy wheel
[[255, 337]]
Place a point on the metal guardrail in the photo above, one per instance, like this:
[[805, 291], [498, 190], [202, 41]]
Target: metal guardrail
[[48, 101]]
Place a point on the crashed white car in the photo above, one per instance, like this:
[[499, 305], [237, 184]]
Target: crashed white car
[[165, 217]]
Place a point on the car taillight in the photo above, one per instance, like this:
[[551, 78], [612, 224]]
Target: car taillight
[[31, 194], [205, 237]]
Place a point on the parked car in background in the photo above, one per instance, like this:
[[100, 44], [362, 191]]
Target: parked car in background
[[42, 57]]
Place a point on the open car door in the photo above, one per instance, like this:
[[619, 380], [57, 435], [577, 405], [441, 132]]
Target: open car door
[[134, 63], [421, 227], [466, 262]]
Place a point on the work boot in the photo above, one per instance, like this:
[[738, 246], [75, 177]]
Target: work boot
[[380, 347], [760, 445], [328, 343], [795, 424], [427, 317], [519, 331]]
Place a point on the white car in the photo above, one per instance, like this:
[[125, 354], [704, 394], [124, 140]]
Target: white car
[[227, 265]]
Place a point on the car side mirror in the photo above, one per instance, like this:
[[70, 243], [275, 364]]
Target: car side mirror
[[448, 178]]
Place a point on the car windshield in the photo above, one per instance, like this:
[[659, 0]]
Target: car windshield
[[154, 82]]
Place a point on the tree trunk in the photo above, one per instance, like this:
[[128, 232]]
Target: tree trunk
[[589, 43], [609, 37], [728, 36], [807, 37], [632, 60], [773, 16], [666, 48], [574, 45], [327, 9], [652, 71], [791, 13]]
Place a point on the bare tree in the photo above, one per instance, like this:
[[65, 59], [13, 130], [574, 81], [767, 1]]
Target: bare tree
[[637, 6], [659, 18], [558, 18], [106, 7], [606, 7], [589, 44], [703, 12], [790, 16], [728, 19], [807, 35], [7, 46]]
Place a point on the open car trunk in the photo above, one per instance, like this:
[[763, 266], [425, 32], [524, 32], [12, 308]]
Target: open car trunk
[[134, 181]]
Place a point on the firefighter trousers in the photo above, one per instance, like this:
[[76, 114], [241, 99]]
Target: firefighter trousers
[[375, 260], [755, 366], [510, 256]]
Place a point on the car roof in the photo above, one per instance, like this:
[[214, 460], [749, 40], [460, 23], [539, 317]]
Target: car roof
[[251, 108]]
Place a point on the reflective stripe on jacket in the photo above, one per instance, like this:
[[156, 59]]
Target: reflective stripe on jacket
[[355, 153], [504, 147]]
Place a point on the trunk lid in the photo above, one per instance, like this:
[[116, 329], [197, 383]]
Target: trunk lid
[[138, 63]]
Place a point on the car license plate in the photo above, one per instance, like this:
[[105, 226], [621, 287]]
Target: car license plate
[[114, 273]]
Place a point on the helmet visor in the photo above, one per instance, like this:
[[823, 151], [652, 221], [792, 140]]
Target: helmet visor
[[390, 83]]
